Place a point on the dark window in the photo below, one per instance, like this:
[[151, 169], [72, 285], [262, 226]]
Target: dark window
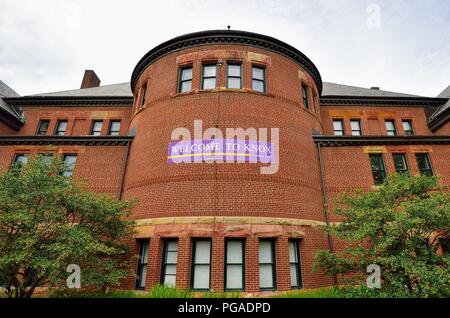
[[46, 158], [295, 264], [185, 84], [267, 274], [143, 95], [355, 124], [20, 160], [43, 127], [305, 96], [234, 74], [114, 128], [201, 264], [234, 264], [96, 129], [400, 163], [259, 79], [390, 127], [61, 127], [169, 265], [69, 162], [423, 161], [141, 274], [378, 170], [209, 76], [338, 127], [407, 127]]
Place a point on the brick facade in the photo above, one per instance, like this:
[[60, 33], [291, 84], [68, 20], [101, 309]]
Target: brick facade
[[222, 201]]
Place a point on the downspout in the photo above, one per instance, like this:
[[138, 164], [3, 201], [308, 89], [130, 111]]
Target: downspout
[[124, 170], [325, 206]]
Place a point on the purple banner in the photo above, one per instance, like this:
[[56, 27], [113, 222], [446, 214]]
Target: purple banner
[[219, 150]]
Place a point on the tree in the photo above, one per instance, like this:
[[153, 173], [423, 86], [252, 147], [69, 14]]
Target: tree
[[399, 227], [48, 221]]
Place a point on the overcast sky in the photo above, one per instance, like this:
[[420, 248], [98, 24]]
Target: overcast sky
[[404, 46]]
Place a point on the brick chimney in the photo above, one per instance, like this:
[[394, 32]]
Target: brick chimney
[[375, 88], [90, 79]]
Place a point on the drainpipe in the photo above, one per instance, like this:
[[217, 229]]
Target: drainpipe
[[124, 170], [325, 206]]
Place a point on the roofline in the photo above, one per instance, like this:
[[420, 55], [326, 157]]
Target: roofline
[[337, 141], [10, 119], [381, 100], [69, 100], [232, 37], [439, 120], [66, 140]]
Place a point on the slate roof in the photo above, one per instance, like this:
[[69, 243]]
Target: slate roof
[[333, 89], [444, 94], [114, 90], [6, 91]]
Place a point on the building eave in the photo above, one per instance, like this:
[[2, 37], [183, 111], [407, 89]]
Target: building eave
[[70, 101], [438, 121], [382, 101], [336, 141], [66, 140], [11, 120]]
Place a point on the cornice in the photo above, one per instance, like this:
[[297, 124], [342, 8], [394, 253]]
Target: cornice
[[382, 101], [436, 122], [66, 140], [336, 141], [73, 101], [10, 120], [232, 37]]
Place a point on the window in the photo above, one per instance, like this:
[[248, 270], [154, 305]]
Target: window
[[314, 103], [259, 79], [185, 84], [114, 128], [355, 124], [209, 76], [338, 127], [61, 127], [407, 127], [234, 75], [267, 264], [234, 264], [400, 163], [69, 162], [423, 161], [141, 274], [96, 129], [294, 261], [142, 96], [201, 264], [378, 170], [390, 128], [46, 158], [305, 96], [169, 266], [20, 160], [43, 127]]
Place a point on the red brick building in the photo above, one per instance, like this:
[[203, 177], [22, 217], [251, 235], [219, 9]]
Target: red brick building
[[226, 225]]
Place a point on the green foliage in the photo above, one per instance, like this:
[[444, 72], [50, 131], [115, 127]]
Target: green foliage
[[311, 293], [47, 221], [169, 292], [155, 292], [398, 227]]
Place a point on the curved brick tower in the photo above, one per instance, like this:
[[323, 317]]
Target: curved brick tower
[[227, 79]]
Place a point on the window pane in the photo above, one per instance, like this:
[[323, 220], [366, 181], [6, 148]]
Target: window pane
[[21, 159], [170, 280], [266, 276], [294, 275], [389, 125], [171, 269], [209, 83], [186, 86], [407, 125], [337, 125], [234, 252], [201, 277], [186, 74], [209, 71], [172, 246], [356, 127], [234, 277], [43, 127], [171, 257], [399, 162], [202, 252], [69, 161], [293, 252], [143, 276], [234, 70], [258, 73], [376, 162], [258, 86], [234, 82], [265, 252]]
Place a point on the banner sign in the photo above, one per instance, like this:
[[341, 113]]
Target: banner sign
[[220, 150]]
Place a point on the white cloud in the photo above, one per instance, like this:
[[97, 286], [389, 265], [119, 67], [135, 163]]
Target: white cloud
[[46, 45]]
